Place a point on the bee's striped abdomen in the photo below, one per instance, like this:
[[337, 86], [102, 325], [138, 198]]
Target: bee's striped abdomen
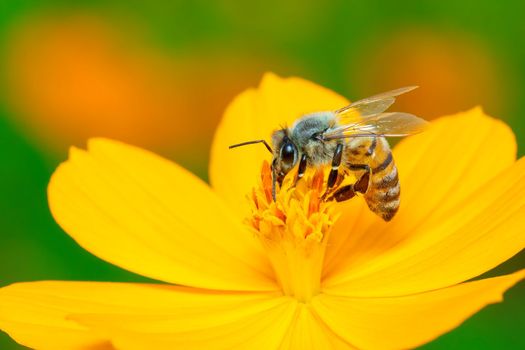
[[383, 192]]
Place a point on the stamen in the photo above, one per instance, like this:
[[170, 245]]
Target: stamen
[[294, 228], [266, 177]]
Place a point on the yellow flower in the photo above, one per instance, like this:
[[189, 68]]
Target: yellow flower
[[246, 272]]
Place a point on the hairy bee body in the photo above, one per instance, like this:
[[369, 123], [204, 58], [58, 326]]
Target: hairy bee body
[[382, 195], [350, 139]]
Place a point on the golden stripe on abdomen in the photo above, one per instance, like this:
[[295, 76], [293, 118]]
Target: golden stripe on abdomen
[[384, 164], [387, 181], [383, 195]]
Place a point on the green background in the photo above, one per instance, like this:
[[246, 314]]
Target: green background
[[335, 43]]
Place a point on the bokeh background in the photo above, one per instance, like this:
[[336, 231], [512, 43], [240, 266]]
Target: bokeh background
[[159, 74]]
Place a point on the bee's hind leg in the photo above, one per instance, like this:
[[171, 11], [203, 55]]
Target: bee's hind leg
[[363, 182], [346, 192], [342, 194]]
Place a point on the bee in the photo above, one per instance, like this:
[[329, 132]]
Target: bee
[[350, 139]]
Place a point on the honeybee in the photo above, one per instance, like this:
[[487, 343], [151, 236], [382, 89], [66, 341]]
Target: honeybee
[[350, 139]]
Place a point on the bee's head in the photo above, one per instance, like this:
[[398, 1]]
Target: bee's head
[[285, 155]]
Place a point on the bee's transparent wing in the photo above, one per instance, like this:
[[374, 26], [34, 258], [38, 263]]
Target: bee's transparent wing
[[370, 106], [394, 124]]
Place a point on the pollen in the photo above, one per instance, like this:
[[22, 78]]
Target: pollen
[[293, 229]]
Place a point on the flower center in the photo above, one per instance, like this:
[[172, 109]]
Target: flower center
[[293, 229]]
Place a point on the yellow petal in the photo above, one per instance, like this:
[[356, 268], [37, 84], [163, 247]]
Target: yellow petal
[[484, 231], [408, 321], [307, 331], [73, 315], [253, 115], [465, 151], [262, 330], [452, 187], [145, 214]]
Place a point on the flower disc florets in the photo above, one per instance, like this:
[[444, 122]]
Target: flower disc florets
[[293, 229]]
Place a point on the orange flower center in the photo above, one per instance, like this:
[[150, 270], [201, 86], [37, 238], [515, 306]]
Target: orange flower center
[[293, 229]]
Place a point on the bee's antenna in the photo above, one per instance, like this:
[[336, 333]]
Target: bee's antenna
[[252, 142]]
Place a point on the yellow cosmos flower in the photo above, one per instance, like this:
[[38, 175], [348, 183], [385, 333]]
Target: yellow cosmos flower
[[243, 271]]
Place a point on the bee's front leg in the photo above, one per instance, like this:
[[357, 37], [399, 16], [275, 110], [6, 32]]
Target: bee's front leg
[[302, 168], [334, 172]]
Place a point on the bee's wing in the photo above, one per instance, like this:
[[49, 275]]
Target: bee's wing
[[370, 106], [382, 124]]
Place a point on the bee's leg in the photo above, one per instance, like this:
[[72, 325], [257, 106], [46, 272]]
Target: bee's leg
[[336, 161], [363, 182], [274, 180], [343, 194], [334, 173], [346, 192], [302, 168]]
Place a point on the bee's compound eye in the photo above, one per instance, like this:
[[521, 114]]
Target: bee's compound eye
[[288, 153]]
